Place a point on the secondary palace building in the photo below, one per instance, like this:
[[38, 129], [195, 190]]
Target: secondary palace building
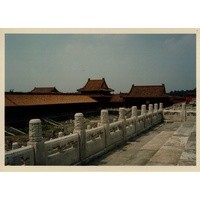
[[149, 94], [98, 90]]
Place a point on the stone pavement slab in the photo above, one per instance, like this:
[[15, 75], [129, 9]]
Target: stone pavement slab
[[141, 158], [158, 141], [176, 141], [168, 155]]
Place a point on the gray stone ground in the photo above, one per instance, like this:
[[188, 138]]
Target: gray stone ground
[[168, 144]]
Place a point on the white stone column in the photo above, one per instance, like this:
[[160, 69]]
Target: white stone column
[[143, 110], [160, 106], [105, 123], [121, 114], [156, 111], [135, 114], [122, 118], [150, 108], [80, 130], [36, 140], [183, 112], [143, 113], [155, 107], [151, 112], [104, 117], [134, 111], [160, 113]]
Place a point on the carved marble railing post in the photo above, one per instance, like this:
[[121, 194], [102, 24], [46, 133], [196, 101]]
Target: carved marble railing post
[[60, 134], [36, 140], [156, 111], [105, 123], [80, 130], [150, 108], [15, 145], [160, 106], [151, 112], [143, 112], [155, 107], [134, 114], [122, 118], [183, 112], [160, 114], [134, 111]]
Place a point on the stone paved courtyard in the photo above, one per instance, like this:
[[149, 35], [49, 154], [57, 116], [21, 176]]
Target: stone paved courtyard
[[168, 144]]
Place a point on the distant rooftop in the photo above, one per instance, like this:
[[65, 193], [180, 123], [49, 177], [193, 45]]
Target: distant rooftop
[[95, 85], [45, 90], [117, 98], [150, 91], [25, 99]]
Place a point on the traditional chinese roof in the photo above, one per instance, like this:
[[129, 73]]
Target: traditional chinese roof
[[117, 98], [25, 99], [148, 91], [45, 90], [95, 85]]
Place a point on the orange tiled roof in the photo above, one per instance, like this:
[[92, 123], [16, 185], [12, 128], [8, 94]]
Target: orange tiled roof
[[25, 99], [45, 90], [117, 98], [96, 85], [149, 91]]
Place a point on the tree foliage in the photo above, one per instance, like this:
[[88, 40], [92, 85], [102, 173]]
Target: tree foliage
[[181, 93]]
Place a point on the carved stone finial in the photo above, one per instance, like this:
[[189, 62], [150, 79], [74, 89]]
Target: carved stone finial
[[78, 121], [104, 116], [143, 110], [121, 113], [15, 145], [89, 127], [161, 106], [155, 107], [60, 134], [134, 111], [150, 108], [35, 130]]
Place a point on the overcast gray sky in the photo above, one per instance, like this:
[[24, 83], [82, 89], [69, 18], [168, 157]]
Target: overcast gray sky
[[66, 61]]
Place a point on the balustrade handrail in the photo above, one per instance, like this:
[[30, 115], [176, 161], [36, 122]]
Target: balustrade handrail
[[86, 143]]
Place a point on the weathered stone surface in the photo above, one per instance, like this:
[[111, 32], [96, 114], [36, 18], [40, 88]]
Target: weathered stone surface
[[192, 137], [167, 155], [158, 141], [191, 145], [177, 142], [186, 163], [140, 158], [188, 155]]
